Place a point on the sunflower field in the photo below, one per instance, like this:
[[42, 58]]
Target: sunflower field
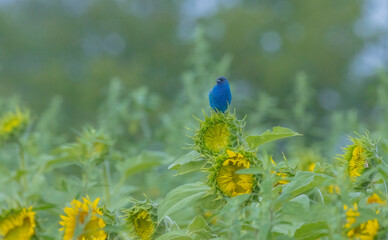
[[144, 168], [228, 183]]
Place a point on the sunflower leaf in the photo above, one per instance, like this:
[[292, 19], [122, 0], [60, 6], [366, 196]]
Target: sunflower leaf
[[198, 223], [302, 183], [199, 229], [188, 163], [268, 136], [174, 235], [313, 230], [140, 166], [181, 197]]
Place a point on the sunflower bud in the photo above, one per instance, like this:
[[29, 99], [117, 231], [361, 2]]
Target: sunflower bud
[[141, 220], [360, 157], [13, 124]]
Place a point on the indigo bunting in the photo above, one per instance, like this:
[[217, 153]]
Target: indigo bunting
[[220, 96]]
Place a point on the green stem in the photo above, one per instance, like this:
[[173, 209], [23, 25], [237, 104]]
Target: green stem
[[85, 180], [106, 182], [22, 167]]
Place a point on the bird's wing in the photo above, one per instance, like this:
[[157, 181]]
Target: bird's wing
[[211, 98]]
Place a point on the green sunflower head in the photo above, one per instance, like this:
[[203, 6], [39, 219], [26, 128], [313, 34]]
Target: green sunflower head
[[218, 132], [225, 180], [360, 157], [141, 219]]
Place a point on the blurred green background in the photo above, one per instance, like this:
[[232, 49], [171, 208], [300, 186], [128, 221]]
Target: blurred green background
[[73, 49]]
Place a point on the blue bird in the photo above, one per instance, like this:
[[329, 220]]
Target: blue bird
[[220, 96]]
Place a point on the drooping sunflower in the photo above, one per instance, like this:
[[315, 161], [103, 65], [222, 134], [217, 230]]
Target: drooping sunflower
[[365, 231], [217, 133], [83, 221], [359, 157], [18, 224], [223, 176], [13, 123], [142, 220]]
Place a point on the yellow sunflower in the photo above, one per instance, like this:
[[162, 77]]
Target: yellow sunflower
[[83, 221], [357, 162], [359, 157], [376, 199], [365, 231], [18, 225], [229, 182], [217, 132], [12, 123], [141, 219]]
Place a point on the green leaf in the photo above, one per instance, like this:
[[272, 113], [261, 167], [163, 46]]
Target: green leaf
[[292, 215], [199, 229], [302, 183], [174, 235], [199, 223], [181, 197], [314, 230], [211, 201], [277, 133], [303, 199], [188, 163], [191, 167], [59, 162], [192, 156], [141, 166], [45, 206]]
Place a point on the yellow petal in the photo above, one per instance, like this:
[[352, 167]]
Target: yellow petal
[[95, 203], [231, 154]]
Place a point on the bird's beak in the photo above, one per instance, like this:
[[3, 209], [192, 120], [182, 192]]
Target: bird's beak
[[218, 81]]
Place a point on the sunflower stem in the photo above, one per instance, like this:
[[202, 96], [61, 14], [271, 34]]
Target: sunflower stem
[[106, 171], [85, 178], [22, 167]]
